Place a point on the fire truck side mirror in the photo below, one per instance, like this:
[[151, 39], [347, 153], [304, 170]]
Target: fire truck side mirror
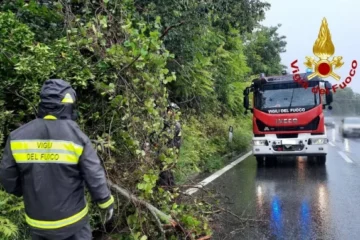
[[246, 98], [329, 98], [329, 95], [246, 102], [328, 85], [246, 91]]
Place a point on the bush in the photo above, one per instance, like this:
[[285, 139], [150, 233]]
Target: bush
[[12, 220], [205, 141]]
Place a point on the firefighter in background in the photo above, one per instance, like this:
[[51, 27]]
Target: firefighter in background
[[48, 161], [166, 178], [176, 140]]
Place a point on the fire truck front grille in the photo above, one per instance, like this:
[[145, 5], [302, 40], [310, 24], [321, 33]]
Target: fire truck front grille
[[313, 125], [291, 148], [293, 135]]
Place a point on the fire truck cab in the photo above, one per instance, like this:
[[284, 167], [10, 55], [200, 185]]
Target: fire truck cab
[[288, 118]]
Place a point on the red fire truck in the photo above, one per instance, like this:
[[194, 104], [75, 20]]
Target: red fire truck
[[288, 117]]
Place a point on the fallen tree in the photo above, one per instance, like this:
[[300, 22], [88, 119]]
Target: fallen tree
[[158, 215]]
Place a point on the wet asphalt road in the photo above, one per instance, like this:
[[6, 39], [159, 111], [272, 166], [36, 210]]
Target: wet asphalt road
[[295, 200]]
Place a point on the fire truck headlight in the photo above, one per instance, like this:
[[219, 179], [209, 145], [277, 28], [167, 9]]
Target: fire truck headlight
[[259, 142], [319, 141]]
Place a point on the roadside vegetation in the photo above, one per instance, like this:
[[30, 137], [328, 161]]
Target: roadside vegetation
[[127, 59]]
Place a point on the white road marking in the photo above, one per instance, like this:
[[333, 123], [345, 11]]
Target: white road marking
[[217, 174], [332, 144], [345, 157]]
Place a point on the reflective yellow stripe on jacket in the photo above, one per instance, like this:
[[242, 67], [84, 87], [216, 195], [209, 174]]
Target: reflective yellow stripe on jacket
[[59, 223], [45, 151], [107, 203]]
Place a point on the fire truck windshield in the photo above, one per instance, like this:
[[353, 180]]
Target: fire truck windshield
[[287, 95]]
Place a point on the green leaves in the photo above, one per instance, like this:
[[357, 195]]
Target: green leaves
[[263, 50], [149, 181], [190, 221], [11, 216], [7, 228]]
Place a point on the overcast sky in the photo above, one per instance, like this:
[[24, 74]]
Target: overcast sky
[[301, 23]]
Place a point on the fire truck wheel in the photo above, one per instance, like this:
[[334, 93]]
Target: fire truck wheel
[[260, 160], [320, 160]]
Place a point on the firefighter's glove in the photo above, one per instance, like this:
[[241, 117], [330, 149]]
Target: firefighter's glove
[[109, 214], [108, 207]]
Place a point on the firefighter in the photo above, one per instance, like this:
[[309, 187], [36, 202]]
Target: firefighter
[[176, 141], [166, 178], [48, 161]]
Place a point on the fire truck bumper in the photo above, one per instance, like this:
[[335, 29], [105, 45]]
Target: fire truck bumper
[[304, 145]]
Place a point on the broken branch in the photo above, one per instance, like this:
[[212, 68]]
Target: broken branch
[[161, 215], [171, 27]]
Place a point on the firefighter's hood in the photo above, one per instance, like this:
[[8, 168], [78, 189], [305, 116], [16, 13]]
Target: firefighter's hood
[[57, 91]]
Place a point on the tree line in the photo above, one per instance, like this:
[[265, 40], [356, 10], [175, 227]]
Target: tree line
[[346, 103]]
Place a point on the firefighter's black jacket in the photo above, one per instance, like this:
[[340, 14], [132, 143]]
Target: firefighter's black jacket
[[48, 161]]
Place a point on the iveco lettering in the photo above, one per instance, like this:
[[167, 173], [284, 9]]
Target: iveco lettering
[[287, 118]]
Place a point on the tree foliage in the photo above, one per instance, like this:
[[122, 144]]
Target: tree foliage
[[127, 59], [262, 50]]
